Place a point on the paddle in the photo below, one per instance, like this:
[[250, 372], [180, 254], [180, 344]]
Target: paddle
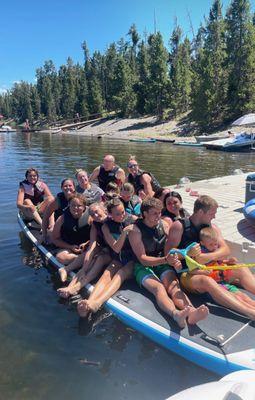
[[192, 264]]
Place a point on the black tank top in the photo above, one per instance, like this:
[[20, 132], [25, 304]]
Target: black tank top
[[72, 231], [190, 233], [105, 177], [136, 181], [153, 238], [62, 205], [116, 229]]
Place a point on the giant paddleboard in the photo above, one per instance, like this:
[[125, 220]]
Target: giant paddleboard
[[223, 343]]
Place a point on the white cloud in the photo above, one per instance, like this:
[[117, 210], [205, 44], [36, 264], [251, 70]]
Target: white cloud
[[3, 90]]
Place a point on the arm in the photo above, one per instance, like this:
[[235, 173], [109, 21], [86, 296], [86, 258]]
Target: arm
[[91, 248], [94, 174], [47, 191], [174, 236], [116, 245], [135, 239], [146, 182], [56, 237], [52, 206], [168, 220], [20, 201]]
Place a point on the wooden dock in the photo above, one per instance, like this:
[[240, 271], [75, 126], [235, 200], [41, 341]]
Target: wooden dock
[[229, 192]]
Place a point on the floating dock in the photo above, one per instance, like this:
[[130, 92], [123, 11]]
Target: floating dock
[[229, 192]]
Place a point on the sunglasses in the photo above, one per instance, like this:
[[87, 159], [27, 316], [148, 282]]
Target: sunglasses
[[132, 165]]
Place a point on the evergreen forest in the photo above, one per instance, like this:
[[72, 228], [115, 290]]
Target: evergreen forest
[[210, 75]]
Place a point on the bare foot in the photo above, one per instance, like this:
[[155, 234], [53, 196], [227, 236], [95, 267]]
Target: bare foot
[[180, 317], [93, 306], [66, 292], [83, 309], [197, 314], [63, 274]]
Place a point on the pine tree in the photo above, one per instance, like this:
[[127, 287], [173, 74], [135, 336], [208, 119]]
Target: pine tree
[[142, 86], [241, 58], [210, 99], [159, 81], [180, 72]]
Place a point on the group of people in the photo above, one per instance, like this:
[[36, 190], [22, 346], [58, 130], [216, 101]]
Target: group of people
[[124, 227]]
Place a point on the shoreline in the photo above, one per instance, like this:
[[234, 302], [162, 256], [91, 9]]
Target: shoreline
[[144, 127]]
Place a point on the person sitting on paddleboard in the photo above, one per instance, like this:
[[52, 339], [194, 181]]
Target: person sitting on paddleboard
[[184, 232], [115, 231], [108, 172], [144, 182], [209, 242], [57, 206], [90, 191], [131, 201], [93, 260], [153, 270], [72, 230], [173, 208], [33, 196]]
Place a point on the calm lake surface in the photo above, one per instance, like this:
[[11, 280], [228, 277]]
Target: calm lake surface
[[43, 343]]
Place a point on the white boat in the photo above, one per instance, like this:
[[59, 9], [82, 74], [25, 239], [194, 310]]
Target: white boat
[[209, 138], [7, 128], [238, 142], [239, 385], [222, 343]]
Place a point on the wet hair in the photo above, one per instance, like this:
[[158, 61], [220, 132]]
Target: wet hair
[[208, 233], [150, 202], [78, 170], [29, 170], [128, 187], [96, 205], [204, 203], [80, 197], [67, 179], [115, 202], [112, 187], [172, 194]]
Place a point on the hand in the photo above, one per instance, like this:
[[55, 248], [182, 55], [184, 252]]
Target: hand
[[75, 249], [173, 260], [128, 229], [195, 251]]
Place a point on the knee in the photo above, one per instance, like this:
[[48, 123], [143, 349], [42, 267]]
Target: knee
[[173, 287]]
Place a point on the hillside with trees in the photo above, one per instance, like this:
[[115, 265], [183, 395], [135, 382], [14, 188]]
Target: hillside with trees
[[211, 75]]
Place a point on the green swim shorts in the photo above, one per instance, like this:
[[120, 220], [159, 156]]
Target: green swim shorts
[[230, 288], [141, 272]]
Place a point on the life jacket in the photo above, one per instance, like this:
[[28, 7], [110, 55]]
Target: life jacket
[[105, 177], [153, 238], [116, 229], [183, 214], [75, 231], [136, 181], [190, 232], [100, 236], [63, 204], [35, 192], [133, 206]]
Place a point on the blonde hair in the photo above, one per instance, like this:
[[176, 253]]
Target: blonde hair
[[208, 233]]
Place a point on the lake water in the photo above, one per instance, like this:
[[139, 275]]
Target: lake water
[[43, 343]]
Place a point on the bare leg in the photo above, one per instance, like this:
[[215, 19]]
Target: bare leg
[[245, 278], [244, 298], [83, 278], [181, 300], [31, 213], [75, 264], [164, 302], [221, 296], [66, 257]]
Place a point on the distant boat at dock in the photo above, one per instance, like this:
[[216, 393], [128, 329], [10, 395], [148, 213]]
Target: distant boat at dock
[[239, 142], [7, 128]]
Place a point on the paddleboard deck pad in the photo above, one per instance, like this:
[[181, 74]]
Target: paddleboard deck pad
[[224, 342]]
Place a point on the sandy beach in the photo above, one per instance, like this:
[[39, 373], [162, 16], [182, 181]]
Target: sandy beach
[[124, 128]]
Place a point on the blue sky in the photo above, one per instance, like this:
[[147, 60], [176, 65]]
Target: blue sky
[[34, 31]]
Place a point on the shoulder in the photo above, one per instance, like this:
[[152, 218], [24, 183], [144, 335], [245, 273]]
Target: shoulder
[[145, 177]]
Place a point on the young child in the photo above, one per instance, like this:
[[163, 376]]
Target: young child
[[209, 243]]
